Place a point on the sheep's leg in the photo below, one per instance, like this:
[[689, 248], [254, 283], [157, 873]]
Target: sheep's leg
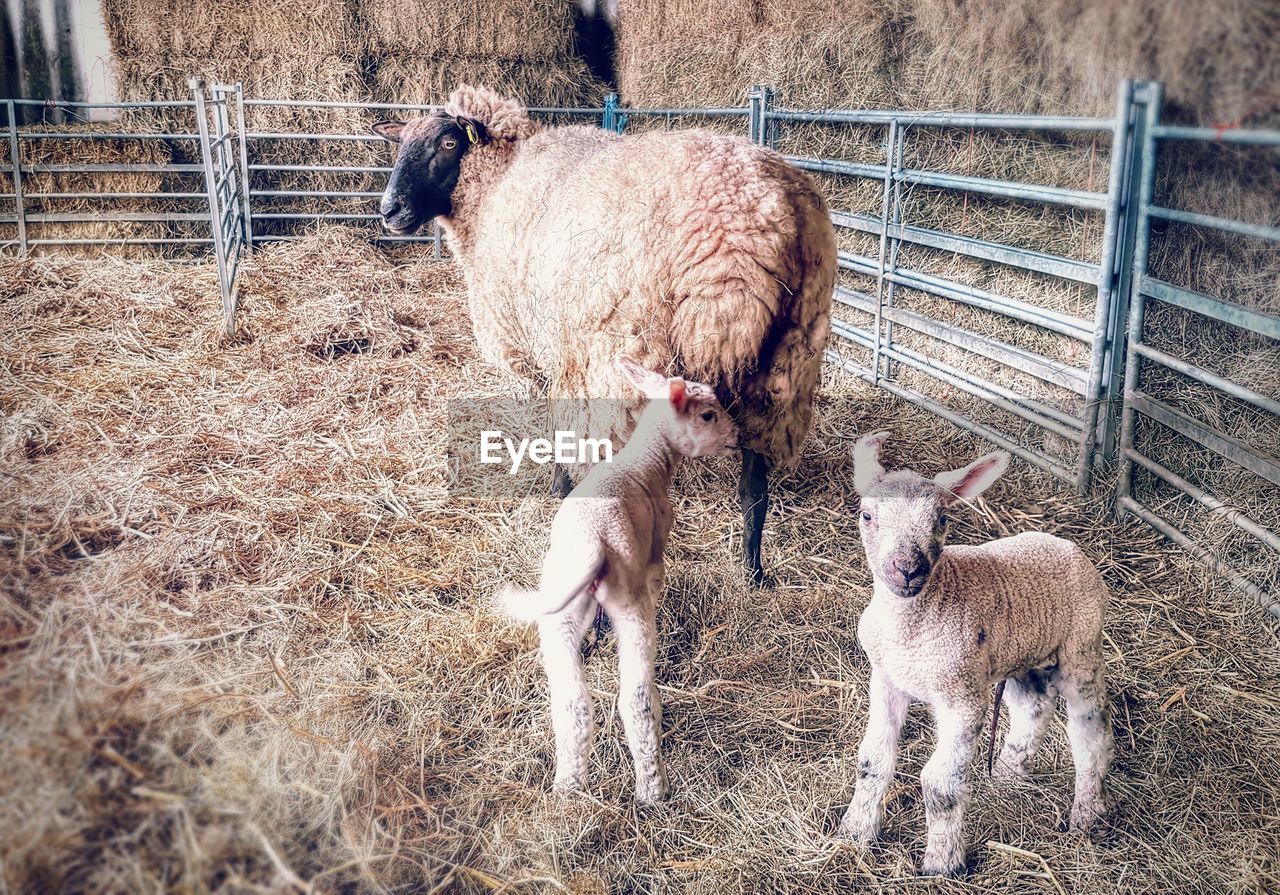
[[753, 493], [945, 781], [1089, 730], [570, 702], [1030, 711], [877, 755]]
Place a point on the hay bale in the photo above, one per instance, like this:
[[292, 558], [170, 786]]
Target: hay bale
[[493, 29], [430, 79], [301, 29]]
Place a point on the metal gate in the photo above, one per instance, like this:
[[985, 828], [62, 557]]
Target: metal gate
[[1142, 408]]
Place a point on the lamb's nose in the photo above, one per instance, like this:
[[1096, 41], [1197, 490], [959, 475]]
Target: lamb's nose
[[390, 207], [909, 568]]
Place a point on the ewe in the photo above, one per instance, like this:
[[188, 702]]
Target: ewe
[[946, 623], [695, 253], [607, 541]]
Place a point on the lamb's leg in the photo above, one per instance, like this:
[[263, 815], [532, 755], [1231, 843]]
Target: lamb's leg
[[638, 697], [1030, 711], [753, 492], [1089, 730], [877, 755], [945, 781], [570, 701]]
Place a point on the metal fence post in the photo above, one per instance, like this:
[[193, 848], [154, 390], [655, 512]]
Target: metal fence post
[[15, 157], [612, 119], [759, 128], [1136, 122], [1145, 177], [244, 170], [1107, 333], [215, 222]]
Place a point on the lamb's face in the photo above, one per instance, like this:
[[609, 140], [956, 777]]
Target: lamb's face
[[701, 426], [426, 170], [903, 517], [903, 522]]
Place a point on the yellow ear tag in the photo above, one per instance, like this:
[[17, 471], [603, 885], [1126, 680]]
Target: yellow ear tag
[[471, 132]]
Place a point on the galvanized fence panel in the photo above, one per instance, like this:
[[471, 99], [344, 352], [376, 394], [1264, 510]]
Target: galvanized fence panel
[[75, 217], [1140, 404], [1086, 428]]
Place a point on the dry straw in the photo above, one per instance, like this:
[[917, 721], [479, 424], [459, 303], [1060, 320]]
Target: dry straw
[[250, 644]]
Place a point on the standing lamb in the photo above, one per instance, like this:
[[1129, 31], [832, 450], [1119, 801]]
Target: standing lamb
[[946, 623], [693, 252], [607, 542]]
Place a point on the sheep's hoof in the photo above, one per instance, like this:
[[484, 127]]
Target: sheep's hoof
[[570, 788], [1010, 769]]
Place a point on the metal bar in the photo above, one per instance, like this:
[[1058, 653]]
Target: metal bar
[[97, 135], [1206, 556], [1227, 386], [183, 195], [247, 235], [1209, 500], [834, 358], [891, 142], [1219, 442], [1258, 231], [16, 174], [317, 216], [1037, 365], [1063, 324], [79, 217], [1218, 135], [925, 365], [894, 160], [405, 107], [162, 240], [852, 333], [1072, 423], [693, 112], [1001, 253], [134, 168], [1256, 321], [832, 166], [350, 138], [325, 169], [67, 104], [219, 250], [945, 119], [1145, 179], [1038, 458], [1094, 398], [309, 193], [1007, 188], [857, 300]]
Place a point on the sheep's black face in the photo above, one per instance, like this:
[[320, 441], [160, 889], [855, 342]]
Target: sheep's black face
[[426, 170]]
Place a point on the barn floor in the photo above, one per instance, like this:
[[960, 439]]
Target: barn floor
[[249, 645]]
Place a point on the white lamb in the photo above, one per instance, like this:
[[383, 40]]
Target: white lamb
[[607, 541], [946, 623]]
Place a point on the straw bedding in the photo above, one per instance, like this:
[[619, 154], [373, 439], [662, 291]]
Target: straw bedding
[[250, 644]]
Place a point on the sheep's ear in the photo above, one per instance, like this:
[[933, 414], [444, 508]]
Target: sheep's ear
[[866, 461], [388, 130], [651, 384], [978, 476], [678, 393]]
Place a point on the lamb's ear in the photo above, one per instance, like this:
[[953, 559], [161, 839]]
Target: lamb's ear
[[866, 461], [388, 130], [978, 476], [651, 384], [678, 393]]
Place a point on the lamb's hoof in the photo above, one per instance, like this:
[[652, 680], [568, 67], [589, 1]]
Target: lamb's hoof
[[1010, 769], [943, 862], [858, 831], [654, 792], [1085, 817], [569, 788]]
